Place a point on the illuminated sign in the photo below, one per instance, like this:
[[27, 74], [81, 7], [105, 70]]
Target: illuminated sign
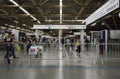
[[108, 7], [59, 27]]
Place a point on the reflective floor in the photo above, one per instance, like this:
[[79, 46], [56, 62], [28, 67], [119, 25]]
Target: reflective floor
[[50, 66]]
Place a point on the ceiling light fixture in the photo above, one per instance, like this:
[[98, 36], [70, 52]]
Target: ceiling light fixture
[[83, 21], [16, 21], [119, 14], [3, 27], [33, 17], [93, 24], [6, 24], [102, 23], [38, 21], [24, 10], [11, 26], [17, 27], [24, 24], [66, 20], [60, 3]]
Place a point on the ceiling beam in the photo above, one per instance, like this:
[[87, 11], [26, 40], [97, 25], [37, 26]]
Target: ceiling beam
[[39, 15], [82, 9], [73, 10], [44, 2], [106, 24], [34, 2], [39, 9], [33, 6], [66, 23], [116, 27], [48, 10], [77, 2]]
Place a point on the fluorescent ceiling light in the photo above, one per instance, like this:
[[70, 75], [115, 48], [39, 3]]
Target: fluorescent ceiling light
[[3, 27], [38, 21], [24, 10], [119, 14], [93, 24], [11, 26], [83, 21], [60, 3], [6, 24], [102, 23], [16, 21], [24, 24], [33, 17], [18, 28], [14, 2]]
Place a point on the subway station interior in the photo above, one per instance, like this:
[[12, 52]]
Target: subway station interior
[[59, 39]]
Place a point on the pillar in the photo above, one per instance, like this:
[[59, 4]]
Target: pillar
[[37, 34], [91, 37], [106, 42], [60, 44], [16, 33], [82, 40]]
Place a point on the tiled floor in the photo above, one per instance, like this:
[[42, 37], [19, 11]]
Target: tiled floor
[[49, 66]]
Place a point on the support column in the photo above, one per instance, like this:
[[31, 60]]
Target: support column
[[106, 42], [60, 45], [16, 33], [37, 34], [91, 37], [82, 40], [91, 40]]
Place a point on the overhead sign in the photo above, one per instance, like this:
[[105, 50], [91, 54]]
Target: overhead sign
[[114, 34], [59, 26], [107, 8], [77, 33]]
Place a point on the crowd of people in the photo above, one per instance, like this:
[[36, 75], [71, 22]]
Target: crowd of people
[[10, 43]]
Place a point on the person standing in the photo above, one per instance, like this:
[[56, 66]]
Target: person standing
[[86, 43], [10, 47], [29, 43], [101, 48], [78, 46]]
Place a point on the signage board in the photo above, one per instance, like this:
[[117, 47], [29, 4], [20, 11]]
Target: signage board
[[59, 26], [114, 34], [107, 8]]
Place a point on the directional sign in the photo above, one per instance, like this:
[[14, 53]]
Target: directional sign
[[59, 26], [107, 8]]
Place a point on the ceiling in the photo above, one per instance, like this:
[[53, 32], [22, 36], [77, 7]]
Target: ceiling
[[109, 22], [46, 11]]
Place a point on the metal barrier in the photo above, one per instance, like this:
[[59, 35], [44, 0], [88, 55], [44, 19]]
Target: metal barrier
[[110, 50], [98, 51], [51, 52]]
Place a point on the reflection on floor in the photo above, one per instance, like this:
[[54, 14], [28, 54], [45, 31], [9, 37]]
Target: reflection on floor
[[49, 66]]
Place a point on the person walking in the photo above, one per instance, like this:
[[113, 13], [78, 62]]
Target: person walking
[[10, 47]]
